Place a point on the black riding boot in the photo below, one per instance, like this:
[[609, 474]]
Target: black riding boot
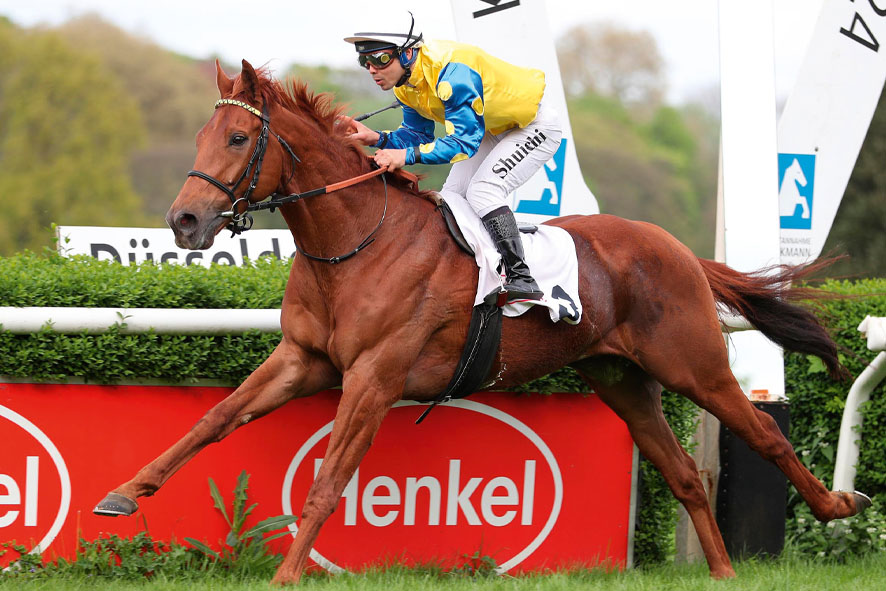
[[502, 226]]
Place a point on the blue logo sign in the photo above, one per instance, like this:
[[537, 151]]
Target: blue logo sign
[[796, 186], [551, 197]]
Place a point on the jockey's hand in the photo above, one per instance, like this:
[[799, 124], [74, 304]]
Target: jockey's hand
[[357, 131], [393, 159]]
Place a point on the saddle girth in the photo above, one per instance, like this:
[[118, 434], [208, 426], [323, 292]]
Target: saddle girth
[[481, 349]]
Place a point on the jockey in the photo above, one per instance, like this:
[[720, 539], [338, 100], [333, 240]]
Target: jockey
[[498, 132]]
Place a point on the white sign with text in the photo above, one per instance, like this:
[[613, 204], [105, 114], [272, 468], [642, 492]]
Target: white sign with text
[[130, 246]]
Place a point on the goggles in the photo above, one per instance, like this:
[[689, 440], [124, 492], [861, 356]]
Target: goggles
[[379, 59]]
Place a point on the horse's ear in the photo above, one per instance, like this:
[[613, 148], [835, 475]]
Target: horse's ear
[[225, 84], [249, 80]]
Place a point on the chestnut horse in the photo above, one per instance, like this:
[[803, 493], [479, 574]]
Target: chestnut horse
[[390, 322]]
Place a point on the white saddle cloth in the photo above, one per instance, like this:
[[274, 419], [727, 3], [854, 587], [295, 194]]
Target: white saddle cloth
[[550, 255]]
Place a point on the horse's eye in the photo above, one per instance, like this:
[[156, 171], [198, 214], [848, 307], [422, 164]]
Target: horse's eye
[[238, 139]]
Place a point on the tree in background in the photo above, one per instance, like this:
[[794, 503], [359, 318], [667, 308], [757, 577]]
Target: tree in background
[[175, 95], [860, 225], [67, 129], [613, 62], [642, 159], [657, 171]]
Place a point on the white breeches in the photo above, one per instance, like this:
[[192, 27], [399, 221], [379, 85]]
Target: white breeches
[[505, 161]]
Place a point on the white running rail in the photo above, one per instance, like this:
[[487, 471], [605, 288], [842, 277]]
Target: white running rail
[[171, 320], [860, 392], [139, 320]]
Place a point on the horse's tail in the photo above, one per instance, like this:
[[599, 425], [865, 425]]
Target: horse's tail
[[766, 298]]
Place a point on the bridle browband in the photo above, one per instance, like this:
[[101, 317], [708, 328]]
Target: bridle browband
[[242, 221]]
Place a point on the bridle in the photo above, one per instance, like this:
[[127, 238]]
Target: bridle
[[242, 221]]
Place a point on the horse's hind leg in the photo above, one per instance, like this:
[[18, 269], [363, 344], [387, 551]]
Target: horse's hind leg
[[287, 373], [636, 398], [701, 373], [730, 405]]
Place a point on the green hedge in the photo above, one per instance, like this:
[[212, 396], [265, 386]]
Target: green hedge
[[817, 404], [34, 280], [30, 279], [50, 280]]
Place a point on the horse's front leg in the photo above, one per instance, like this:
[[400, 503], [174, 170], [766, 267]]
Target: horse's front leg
[[367, 397], [287, 373]]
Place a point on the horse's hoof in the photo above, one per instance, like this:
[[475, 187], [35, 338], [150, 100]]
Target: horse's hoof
[[862, 501], [115, 504]]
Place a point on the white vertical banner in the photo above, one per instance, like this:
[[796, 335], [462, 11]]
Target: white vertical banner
[[826, 119], [749, 170], [517, 31]]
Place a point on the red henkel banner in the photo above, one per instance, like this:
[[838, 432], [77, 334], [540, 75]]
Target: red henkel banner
[[532, 481]]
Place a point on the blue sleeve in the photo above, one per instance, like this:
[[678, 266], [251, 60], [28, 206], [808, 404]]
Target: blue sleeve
[[414, 131], [461, 90]]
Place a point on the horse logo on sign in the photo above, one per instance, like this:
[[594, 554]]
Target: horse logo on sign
[[796, 184]]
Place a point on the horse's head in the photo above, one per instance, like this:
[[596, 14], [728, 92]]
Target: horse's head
[[237, 163]]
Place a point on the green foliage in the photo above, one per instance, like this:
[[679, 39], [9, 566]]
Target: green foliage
[[68, 130], [111, 557], [30, 279], [476, 565], [657, 509], [817, 404], [113, 357], [660, 169], [563, 380], [840, 540], [860, 224], [667, 129], [33, 280], [25, 564], [794, 574], [174, 95], [245, 552]]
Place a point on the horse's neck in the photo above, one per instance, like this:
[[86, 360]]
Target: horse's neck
[[332, 224]]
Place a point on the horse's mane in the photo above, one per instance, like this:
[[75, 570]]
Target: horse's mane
[[320, 108]]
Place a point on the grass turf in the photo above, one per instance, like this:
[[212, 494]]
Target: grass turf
[[800, 574]]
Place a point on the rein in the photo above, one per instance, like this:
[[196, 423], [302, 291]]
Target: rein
[[242, 221]]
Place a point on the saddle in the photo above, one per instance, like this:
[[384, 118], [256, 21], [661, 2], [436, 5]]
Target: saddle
[[484, 332], [455, 232]]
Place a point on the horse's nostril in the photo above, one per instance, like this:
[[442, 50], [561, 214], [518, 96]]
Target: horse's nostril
[[187, 220]]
